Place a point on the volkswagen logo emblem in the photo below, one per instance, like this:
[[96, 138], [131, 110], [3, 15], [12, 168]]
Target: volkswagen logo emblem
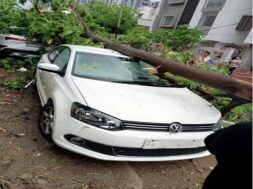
[[175, 128]]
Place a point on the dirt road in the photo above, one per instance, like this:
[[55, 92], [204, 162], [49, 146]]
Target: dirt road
[[27, 161]]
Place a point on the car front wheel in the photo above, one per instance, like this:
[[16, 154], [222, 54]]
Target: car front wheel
[[46, 121]]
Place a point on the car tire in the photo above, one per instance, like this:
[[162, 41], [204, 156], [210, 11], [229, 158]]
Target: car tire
[[46, 121]]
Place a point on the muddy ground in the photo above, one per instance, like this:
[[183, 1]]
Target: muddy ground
[[27, 161]]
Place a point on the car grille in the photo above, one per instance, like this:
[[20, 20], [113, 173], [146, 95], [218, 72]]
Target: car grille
[[156, 152], [164, 127]]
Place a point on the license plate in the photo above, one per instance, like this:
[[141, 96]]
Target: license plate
[[165, 144]]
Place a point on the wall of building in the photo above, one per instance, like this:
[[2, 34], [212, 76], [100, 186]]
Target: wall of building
[[166, 9], [222, 38], [248, 39], [145, 22], [230, 14], [247, 57], [224, 27], [148, 11], [197, 14], [188, 12]]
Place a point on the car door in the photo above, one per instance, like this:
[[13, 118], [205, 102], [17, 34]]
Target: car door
[[47, 81]]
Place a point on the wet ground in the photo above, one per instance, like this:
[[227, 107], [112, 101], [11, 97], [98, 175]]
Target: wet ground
[[28, 161]]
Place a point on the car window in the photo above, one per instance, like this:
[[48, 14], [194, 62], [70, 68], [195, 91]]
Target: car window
[[62, 59], [54, 53], [115, 69]]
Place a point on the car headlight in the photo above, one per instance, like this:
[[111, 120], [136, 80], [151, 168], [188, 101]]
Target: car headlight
[[218, 125], [94, 117]]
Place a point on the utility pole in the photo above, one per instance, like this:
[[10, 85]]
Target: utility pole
[[118, 25]]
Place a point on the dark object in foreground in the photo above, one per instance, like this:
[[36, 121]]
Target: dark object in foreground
[[232, 147]]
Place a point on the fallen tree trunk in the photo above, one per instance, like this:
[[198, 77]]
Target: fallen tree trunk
[[227, 84]]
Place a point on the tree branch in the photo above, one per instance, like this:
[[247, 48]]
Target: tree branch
[[234, 103]]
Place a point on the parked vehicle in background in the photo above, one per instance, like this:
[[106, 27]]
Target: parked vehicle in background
[[102, 104], [15, 44]]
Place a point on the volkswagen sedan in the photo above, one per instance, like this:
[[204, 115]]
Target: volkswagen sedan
[[108, 106]]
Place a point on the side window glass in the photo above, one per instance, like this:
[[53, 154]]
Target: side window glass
[[54, 53], [62, 59]]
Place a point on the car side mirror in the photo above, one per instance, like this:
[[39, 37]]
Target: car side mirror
[[49, 68]]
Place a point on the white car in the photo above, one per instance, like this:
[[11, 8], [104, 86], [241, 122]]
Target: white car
[[105, 105], [17, 46]]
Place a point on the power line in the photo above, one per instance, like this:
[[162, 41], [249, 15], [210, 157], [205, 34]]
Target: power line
[[220, 27]]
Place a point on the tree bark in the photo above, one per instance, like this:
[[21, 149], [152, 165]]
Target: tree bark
[[227, 84]]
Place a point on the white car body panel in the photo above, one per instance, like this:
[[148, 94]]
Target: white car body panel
[[18, 48], [126, 102]]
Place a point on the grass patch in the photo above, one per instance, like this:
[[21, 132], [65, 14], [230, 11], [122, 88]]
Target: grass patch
[[15, 83], [12, 65], [240, 113]]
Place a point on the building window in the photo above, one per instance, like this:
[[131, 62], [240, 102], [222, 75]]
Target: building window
[[209, 20], [215, 3], [168, 20], [245, 23]]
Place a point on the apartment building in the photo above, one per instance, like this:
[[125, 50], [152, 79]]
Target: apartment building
[[172, 13], [228, 28]]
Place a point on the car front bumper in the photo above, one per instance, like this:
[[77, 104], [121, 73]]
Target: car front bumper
[[124, 145]]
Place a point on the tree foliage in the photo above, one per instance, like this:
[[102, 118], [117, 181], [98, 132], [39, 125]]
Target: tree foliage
[[176, 39], [9, 14], [59, 25], [179, 38], [100, 14], [138, 37]]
